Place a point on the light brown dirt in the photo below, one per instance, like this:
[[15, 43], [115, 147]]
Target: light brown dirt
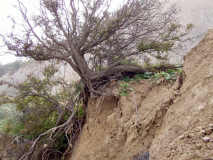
[[187, 120], [113, 130], [172, 118]]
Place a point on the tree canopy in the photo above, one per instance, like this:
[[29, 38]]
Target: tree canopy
[[71, 31]]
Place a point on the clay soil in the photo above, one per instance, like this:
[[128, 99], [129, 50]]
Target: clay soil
[[174, 120]]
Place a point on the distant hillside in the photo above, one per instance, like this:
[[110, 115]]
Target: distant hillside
[[10, 67], [16, 72]]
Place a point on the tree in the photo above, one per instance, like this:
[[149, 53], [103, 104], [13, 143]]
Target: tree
[[44, 106], [71, 32]]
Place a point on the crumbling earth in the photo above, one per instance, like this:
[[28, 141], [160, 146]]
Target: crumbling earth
[[173, 120]]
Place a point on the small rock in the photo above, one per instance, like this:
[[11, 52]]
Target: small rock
[[198, 146], [112, 81], [203, 128], [210, 146], [181, 137], [143, 157], [161, 80], [211, 125], [197, 130], [209, 131], [191, 135], [177, 74], [169, 155], [207, 139], [202, 133]]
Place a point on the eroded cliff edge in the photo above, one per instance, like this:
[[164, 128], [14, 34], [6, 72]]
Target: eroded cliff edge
[[173, 118]]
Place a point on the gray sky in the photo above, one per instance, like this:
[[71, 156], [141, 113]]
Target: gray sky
[[7, 9], [198, 12]]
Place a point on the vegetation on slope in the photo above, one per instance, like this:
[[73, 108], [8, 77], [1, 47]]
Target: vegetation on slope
[[36, 109], [68, 33]]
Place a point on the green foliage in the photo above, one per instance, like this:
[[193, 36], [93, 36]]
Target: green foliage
[[127, 79], [146, 44], [156, 46], [161, 74], [13, 127], [98, 67], [7, 127], [146, 75], [37, 110], [76, 86], [80, 111], [173, 27], [138, 77], [171, 71], [180, 70], [39, 107], [159, 47], [168, 75], [4, 98], [9, 118], [129, 63], [49, 71], [123, 89], [189, 26], [147, 63], [60, 142]]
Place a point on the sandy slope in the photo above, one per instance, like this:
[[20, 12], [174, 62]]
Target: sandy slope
[[172, 121]]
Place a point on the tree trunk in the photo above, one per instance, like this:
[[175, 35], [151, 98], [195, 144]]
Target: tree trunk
[[117, 69], [60, 117]]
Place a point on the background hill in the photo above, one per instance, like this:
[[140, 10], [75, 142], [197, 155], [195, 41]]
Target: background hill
[[18, 73]]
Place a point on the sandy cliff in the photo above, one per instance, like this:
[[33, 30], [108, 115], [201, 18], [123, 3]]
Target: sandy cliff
[[174, 119]]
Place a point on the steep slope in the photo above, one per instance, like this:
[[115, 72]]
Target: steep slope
[[174, 120], [188, 119], [113, 130]]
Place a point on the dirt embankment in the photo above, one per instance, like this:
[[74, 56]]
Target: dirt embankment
[[175, 120]]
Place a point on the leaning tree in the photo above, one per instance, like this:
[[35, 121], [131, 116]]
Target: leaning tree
[[74, 30]]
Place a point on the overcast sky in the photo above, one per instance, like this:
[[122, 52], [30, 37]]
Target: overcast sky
[[198, 12], [7, 9]]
